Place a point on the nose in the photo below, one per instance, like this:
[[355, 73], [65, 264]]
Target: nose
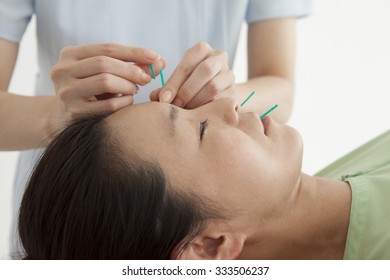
[[226, 108]]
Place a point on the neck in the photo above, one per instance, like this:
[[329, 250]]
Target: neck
[[312, 224]]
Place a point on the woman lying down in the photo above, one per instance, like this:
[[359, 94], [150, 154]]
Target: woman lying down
[[154, 181]]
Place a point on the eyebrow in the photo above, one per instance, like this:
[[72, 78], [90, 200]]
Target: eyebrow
[[173, 114]]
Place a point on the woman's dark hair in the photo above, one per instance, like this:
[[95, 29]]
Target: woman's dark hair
[[85, 200]]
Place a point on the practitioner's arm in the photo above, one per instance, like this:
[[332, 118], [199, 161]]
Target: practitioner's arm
[[204, 74], [271, 59], [86, 79], [23, 119]]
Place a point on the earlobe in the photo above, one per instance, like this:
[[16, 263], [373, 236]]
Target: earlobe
[[226, 246]]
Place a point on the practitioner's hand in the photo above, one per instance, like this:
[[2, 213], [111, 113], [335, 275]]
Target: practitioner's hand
[[201, 76], [100, 79]]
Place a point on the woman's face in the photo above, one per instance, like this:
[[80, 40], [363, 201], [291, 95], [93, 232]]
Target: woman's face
[[247, 166]]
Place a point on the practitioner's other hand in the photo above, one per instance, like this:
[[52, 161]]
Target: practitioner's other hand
[[202, 75], [100, 78]]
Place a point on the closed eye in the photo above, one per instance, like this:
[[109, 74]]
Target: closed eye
[[202, 128]]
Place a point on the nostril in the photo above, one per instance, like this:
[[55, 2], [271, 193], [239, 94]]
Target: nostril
[[236, 108]]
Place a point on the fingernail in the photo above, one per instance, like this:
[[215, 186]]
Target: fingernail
[[162, 63], [151, 55], [178, 102], [166, 96]]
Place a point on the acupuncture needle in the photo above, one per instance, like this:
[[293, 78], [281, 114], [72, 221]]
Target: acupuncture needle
[[247, 98], [266, 113], [269, 111], [152, 70], [162, 78]]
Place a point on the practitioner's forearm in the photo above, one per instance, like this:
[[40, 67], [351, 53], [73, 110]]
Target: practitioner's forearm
[[25, 121]]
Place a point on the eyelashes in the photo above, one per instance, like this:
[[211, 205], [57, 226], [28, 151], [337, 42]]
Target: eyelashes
[[202, 128]]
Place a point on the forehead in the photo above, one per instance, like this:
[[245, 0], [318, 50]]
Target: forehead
[[135, 126], [135, 112]]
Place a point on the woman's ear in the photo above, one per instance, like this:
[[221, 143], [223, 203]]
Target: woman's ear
[[214, 244]]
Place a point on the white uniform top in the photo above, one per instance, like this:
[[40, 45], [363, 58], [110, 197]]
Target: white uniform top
[[168, 27]]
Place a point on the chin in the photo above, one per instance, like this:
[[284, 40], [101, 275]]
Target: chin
[[294, 144]]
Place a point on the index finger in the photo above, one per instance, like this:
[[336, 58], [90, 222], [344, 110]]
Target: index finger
[[121, 52]]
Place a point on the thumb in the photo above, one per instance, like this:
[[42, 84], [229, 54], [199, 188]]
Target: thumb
[[155, 95], [166, 95]]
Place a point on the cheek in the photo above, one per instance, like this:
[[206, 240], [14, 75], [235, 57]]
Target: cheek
[[225, 150], [184, 168], [234, 158], [285, 167], [289, 150]]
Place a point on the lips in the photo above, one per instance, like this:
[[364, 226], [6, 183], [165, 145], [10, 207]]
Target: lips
[[254, 122]]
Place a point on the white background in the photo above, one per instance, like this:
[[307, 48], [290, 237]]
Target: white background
[[342, 89]]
